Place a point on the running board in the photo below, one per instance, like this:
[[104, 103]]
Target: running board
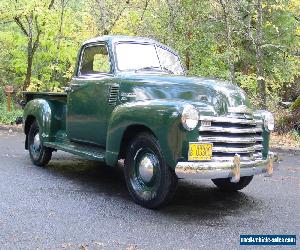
[[88, 152]]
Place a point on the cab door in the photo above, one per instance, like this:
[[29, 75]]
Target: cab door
[[89, 107]]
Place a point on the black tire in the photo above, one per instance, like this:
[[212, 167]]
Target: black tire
[[224, 184], [39, 155], [153, 188]]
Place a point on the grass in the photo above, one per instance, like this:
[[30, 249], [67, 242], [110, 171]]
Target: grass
[[9, 118]]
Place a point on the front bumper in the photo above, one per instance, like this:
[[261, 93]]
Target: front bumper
[[228, 169]]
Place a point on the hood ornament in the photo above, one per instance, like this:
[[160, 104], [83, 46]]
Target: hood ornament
[[203, 98]]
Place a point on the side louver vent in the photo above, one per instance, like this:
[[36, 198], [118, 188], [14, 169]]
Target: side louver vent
[[113, 94]]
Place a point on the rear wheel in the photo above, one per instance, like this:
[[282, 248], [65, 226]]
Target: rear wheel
[[151, 183], [39, 154], [224, 184]]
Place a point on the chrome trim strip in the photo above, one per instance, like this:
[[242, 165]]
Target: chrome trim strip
[[217, 149], [257, 155], [224, 119], [225, 139], [258, 147], [214, 170], [259, 138], [232, 130], [240, 109], [241, 116], [230, 158], [113, 93], [259, 122]]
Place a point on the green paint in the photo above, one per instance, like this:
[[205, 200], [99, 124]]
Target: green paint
[[153, 101]]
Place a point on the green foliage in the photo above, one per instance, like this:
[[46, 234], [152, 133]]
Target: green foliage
[[9, 118], [208, 43], [6, 117], [296, 104], [2, 94]]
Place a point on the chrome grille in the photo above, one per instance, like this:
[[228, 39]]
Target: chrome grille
[[237, 133]]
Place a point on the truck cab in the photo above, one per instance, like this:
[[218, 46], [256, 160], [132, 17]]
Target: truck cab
[[130, 99]]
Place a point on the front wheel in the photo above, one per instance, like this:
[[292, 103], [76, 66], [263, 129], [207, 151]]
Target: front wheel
[[151, 183], [224, 184], [39, 154]]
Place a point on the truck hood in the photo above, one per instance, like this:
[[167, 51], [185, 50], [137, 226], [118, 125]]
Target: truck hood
[[210, 95]]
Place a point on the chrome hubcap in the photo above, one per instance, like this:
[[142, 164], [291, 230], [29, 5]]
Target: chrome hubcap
[[146, 167], [36, 142]]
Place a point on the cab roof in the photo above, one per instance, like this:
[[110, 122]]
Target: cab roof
[[119, 38]]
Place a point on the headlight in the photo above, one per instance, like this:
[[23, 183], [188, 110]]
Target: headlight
[[269, 122], [189, 117]]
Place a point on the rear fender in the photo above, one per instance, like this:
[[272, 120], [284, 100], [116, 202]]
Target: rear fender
[[50, 116]]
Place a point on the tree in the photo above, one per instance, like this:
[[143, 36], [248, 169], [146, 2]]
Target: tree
[[27, 16], [252, 42]]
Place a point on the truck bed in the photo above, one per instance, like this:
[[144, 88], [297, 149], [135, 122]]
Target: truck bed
[[45, 95]]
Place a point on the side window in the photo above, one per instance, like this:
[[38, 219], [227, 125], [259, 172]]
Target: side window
[[95, 60]]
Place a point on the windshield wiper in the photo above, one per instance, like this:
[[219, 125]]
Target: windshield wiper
[[168, 70], [148, 68]]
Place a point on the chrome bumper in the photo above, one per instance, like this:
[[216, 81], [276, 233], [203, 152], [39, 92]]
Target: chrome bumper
[[228, 169]]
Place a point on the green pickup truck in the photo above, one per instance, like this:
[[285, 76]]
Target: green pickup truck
[[130, 99]]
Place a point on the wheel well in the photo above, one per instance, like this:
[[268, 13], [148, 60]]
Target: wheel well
[[29, 120], [129, 134]]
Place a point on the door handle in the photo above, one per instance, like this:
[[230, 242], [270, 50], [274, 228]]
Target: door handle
[[71, 87], [75, 85], [68, 89]]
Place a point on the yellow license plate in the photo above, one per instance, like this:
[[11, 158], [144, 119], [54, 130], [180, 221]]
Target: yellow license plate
[[200, 151]]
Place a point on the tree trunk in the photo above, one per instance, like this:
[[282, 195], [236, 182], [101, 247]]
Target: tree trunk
[[103, 21], [59, 37], [259, 57], [29, 69], [29, 54], [228, 35], [28, 31], [187, 52], [171, 22]]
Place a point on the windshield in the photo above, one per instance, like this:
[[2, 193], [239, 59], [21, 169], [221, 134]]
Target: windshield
[[147, 57]]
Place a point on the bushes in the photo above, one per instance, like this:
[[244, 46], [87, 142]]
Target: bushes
[[288, 120], [2, 95], [9, 118], [296, 105]]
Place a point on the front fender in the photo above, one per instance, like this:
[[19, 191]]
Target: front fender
[[161, 117]]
